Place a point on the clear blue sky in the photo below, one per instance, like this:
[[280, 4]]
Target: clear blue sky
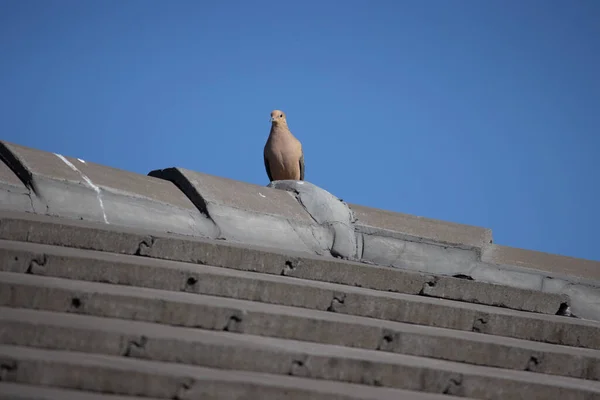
[[478, 112]]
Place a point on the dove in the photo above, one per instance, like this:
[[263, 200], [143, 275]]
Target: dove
[[283, 155]]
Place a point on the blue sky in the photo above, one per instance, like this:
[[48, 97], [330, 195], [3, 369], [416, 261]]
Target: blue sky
[[479, 112]]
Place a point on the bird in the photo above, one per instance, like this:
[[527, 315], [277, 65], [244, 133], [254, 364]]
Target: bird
[[283, 154]]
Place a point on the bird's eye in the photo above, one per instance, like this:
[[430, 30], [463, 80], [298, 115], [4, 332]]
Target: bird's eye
[[280, 115]]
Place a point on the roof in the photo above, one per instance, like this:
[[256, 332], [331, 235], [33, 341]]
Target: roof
[[182, 285]]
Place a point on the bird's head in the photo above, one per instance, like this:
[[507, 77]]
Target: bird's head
[[278, 118]]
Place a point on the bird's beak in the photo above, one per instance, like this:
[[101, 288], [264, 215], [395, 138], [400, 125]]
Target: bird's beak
[[272, 119]]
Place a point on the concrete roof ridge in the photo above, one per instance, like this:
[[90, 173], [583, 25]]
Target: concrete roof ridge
[[66, 187], [301, 218], [431, 230]]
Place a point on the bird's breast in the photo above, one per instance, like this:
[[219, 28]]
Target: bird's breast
[[283, 155]]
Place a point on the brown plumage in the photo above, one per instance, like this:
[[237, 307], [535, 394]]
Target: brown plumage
[[283, 154]]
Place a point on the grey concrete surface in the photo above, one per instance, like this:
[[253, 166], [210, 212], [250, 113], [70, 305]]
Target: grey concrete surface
[[387, 223], [584, 300], [65, 187], [14, 195], [583, 294], [16, 391], [213, 207], [8, 178], [279, 306], [251, 214], [62, 331], [134, 377], [545, 262], [423, 257], [206, 190], [329, 211], [43, 229], [70, 263], [221, 313], [15, 200], [87, 235]]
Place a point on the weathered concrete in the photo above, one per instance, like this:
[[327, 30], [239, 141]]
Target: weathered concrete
[[251, 214], [282, 305], [417, 374], [71, 188], [38, 229], [584, 294], [220, 313], [134, 377], [15, 391], [329, 211], [403, 226], [217, 208], [42, 229], [548, 263], [14, 195], [584, 300], [86, 235], [422, 257], [61, 331], [72, 263]]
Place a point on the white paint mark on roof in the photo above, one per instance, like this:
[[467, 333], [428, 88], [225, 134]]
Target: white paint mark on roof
[[87, 180], [261, 195], [81, 161]]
